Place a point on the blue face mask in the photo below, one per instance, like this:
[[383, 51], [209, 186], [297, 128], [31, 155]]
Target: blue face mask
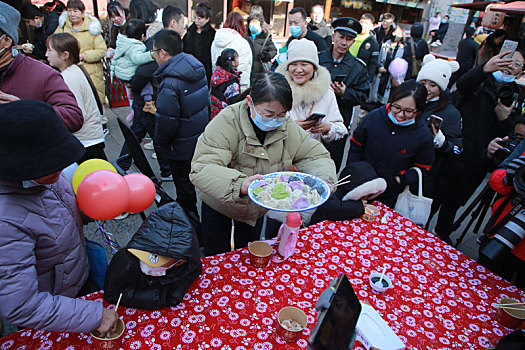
[[267, 124], [295, 31], [255, 30], [407, 123], [120, 25], [503, 78]]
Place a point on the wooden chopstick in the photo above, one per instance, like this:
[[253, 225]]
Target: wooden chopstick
[[340, 180], [341, 183], [503, 305]]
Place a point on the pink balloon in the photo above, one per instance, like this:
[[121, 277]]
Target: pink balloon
[[103, 195], [141, 192]]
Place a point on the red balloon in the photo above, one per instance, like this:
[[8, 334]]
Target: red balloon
[[103, 195], [141, 192]]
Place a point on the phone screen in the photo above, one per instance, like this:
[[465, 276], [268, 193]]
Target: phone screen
[[436, 121], [335, 328], [509, 45], [315, 116], [340, 78]]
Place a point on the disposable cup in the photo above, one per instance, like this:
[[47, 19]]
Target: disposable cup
[[511, 316], [260, 254], [113, 341], [295, 314]]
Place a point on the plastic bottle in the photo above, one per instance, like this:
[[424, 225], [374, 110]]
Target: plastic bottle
[[289, 233]]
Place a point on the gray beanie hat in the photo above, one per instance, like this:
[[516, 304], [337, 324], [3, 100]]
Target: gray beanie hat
[[302, 50], [9, 21]]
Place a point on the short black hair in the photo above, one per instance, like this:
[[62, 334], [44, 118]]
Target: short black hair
[[203, 9], [368, 16], [144, 10], [272, 87], [171, 12], [410, 88], [135, 29], [30, 11], [469, 32], [388, 15], [447, 16], [169, 41], [300, 10]]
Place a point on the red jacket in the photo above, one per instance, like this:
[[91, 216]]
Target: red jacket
[[498, 185], [27, 78]]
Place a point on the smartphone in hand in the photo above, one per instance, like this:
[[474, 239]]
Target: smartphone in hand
[[315, 116], [339, 78], [436, 121], [509, 45]]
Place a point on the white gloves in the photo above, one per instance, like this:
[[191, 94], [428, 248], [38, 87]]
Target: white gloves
[[439, 139]]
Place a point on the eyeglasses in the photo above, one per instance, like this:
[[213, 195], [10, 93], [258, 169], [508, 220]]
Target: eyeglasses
[[157, 50], [408, 112]]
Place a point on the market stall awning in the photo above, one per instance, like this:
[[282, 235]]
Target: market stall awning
[[475, 6], [517, 7]]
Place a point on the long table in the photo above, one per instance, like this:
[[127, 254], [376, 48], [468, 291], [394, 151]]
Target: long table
[[441, 299]]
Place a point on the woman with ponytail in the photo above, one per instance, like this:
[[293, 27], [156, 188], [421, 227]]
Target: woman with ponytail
[[225, 88], [63, 52]]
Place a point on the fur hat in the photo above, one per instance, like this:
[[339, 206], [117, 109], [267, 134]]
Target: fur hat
[[9, 21], [302, 50], [35, 141], [437, 70], [364, 182]]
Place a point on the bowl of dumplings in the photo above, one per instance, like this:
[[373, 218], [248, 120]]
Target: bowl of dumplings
[[289, 191]]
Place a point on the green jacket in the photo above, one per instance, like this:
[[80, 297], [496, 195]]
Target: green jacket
[[228, 152]]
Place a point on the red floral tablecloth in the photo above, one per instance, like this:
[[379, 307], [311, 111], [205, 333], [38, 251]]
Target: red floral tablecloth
[[441, 299]]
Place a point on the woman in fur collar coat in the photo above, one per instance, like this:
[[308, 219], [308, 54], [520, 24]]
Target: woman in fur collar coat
[[310, 85], [87, 30]]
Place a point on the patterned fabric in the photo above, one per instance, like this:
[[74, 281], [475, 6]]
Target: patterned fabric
[[441, 299], [225, 89]]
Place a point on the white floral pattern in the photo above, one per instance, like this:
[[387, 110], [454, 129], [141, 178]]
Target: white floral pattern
[[441, 298]]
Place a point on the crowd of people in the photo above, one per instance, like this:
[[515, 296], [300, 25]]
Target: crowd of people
[[224, 107]]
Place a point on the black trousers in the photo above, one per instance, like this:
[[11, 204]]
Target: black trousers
[[337, 150], [144, 123], [94, 152], [217, 228], [186, 196]]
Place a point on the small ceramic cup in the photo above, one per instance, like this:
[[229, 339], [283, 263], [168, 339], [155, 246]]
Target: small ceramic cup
[[290, 313], [386, 282], [371, 213], [260, 254], [111, 342], [511, 316]]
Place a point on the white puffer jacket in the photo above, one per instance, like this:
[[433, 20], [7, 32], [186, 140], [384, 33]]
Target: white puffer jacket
[[316, 93], [227, 38]]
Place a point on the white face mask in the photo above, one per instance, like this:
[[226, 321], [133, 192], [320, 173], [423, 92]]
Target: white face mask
[[154, 271]]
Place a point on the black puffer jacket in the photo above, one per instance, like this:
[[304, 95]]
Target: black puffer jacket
[[168, 232], [41, 34], [182, 106], [260, 54], [453, 144]]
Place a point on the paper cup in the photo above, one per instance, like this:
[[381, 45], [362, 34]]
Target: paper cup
[[113, 341], [386, 282], [511, 316], [295, 314], [260, 254], [371, 213]]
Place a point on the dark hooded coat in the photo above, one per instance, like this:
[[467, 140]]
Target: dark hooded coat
[[167, 231]]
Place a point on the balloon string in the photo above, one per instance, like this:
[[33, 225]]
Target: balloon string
[[123, 227], [107, 236]]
